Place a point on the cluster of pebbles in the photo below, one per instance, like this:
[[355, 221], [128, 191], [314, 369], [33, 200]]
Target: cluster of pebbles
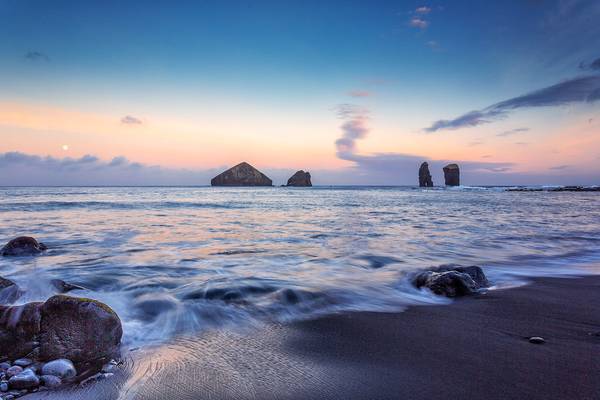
[[24, 376]]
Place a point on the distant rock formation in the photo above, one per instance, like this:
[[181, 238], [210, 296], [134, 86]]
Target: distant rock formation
[[242, 174], [452, 175], [300, 178], [425, 176]]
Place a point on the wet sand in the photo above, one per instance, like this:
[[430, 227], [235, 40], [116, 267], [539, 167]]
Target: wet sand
[[476, 348]]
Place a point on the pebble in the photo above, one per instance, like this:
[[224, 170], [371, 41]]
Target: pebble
[[3, 387], [537, 340], [25, 380], [51, 381], [14, 370], [62, 368], [23, 362], [4, 366]]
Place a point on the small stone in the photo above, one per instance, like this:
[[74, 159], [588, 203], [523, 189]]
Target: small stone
[[51, 381], [25, 380], [537, 340], [14, 370], [4, 366], [62, 368], [23, 362], [4, 387]]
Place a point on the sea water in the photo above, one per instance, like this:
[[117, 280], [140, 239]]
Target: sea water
[[174, 260]]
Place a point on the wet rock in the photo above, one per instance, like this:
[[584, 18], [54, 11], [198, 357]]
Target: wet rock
[[64, 287], [242, 174], [23, 246], [9, 291], [4, 387], [452, 281], [425, 176], [19, 327], [4, 366], [23, 362], [14, 370], [25, 380], [62, 368], [78, 329], [300, 178], [537, 340], [452, 175], [50, 381]]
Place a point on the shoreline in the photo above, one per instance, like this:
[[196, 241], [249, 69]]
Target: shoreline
[[475, 348]]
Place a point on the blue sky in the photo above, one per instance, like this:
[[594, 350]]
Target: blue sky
[[231, 80]]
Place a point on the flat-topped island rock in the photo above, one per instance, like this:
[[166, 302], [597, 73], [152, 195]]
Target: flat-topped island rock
[[300, 178], [242, 174], [452, 175]]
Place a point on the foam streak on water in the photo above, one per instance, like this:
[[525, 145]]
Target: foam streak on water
[[175, 260]]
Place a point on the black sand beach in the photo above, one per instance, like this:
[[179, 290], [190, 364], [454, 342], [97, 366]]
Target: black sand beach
[[476, 348]]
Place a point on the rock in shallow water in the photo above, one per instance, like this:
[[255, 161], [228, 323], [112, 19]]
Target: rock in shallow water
[[62, 368], [23, 246], [537, 340], [452, 281], [25, 380], [9, 291]]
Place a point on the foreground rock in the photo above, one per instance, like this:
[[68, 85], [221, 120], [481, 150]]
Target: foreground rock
[[23, 246], [425, 176], [300, 178], [452, 281], [452, 175], [242, 174], [82, 330]]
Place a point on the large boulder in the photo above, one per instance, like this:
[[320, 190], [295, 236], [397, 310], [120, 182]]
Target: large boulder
[[425, 176], [452, 281], [242, 174], [300, 178], [82, 330], [9, 291], [23, 246], [452, 175]]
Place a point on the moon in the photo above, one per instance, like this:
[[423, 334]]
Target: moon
[[65, 147]]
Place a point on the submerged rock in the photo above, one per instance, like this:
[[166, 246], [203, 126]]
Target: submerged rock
[[242, 174], [64, 287], [452, 175], [537, 340], [23, 246], [81, 330], [9, 291], [425, 176], [300, 178], [452, 281]]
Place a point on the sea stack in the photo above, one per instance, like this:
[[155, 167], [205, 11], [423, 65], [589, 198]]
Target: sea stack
[[425, 176], [300, 178], [242, 174], [452, 175]]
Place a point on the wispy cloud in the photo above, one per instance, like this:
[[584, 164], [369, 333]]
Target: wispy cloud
[[36, 56], [418, 22], [512, 132], [475, 143], [130, 120], [522, 143], [423, 10], [359, 93], [560, 167], [577, 90]]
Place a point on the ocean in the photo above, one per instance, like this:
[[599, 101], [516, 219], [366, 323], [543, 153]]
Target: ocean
[[177, 260]]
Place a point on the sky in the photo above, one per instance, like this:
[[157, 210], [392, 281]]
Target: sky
[[356, 92]]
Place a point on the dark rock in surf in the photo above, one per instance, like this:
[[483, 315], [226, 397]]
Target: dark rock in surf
[[452, 175], [81, 330], [452, 281], [9, 291], [242, 174], [23, 246], [425, 176], [300, 178], [537, 340], [64, 287]]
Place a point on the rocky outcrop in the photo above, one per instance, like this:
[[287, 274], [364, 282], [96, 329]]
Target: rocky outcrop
[[82, 330], [452, 281], [425, 176], [23, 246], [9, 291], [242, 174], [452, 175], [300, 178]]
